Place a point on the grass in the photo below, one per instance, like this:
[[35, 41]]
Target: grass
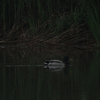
[[93, 19], [43, 22]]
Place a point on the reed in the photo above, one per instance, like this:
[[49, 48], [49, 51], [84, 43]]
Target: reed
[[42, 21], [93, 18]]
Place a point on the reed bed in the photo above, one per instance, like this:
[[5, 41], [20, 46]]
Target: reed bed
[[34, 22], [93, 18]]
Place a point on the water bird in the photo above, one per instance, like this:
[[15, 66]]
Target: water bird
[[57, 64]]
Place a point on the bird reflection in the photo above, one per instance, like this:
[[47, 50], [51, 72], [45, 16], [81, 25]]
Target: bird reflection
[[58, 65]]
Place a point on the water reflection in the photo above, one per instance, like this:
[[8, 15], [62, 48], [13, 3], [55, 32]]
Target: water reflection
[[57, 65], [30, 82]]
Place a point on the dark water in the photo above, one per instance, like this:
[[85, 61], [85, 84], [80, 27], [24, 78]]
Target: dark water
[[22, 76]]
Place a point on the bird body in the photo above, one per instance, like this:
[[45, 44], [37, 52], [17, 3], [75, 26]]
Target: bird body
[[57, 64]]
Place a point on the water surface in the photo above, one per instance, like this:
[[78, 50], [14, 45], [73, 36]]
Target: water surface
[[22, 76]]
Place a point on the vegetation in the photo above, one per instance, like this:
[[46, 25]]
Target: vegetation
[[93, 19], [48, 21]]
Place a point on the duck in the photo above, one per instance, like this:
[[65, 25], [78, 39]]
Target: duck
[[57, 64]]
